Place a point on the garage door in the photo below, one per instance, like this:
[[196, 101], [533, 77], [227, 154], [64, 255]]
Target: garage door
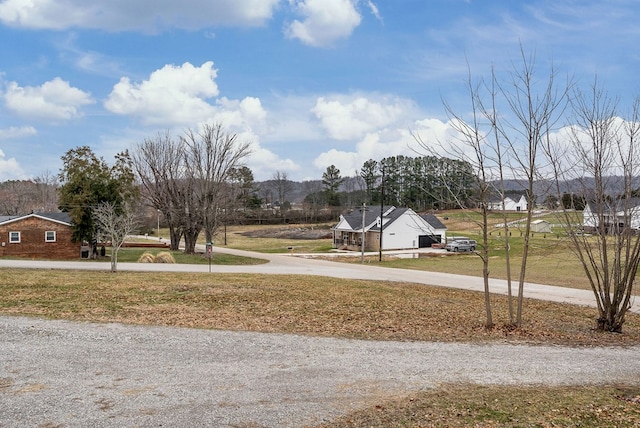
[[425, 241]]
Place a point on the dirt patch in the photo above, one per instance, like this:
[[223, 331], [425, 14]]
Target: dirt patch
[[289, 233]]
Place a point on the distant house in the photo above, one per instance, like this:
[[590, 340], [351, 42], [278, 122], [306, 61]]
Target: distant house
[[402, 228], [613, 216], [38, 235], [509, 204]]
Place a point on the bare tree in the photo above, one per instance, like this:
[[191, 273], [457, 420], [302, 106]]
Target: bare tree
[[210, 157], [19, 197], [314, 199], [186, 179], [282, 185], [504, 134], [46, 191], [537, 107], [472, 146], [602, 155], [114, 225], [158, 165]]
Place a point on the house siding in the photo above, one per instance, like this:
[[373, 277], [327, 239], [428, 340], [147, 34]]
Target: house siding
[[402, 230], [32, 239]]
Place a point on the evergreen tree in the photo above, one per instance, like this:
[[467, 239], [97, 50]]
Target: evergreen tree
[[88, 181], [331, 181]]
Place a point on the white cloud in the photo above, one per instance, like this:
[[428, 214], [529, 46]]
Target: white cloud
[[324, 22], [247, 113], [351, 119], [9, 168], [17, 132], [55, 100], [384, 143], [374, 10], [139, 15], [264, 163], [171, 95]]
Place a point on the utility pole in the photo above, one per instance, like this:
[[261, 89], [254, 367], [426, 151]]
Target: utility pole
[[364, 210], [381, 214]]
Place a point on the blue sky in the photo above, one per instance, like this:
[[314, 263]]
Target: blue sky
[[309, 83]]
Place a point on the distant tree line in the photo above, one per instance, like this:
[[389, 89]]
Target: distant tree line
[[421, 183]]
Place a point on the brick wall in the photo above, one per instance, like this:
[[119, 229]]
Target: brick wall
[[32, 240]]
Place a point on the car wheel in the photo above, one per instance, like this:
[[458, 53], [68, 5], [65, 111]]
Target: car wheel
[[473, 248], [455, 249]]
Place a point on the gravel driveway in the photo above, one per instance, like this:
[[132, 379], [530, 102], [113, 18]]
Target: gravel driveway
[[69, 374]]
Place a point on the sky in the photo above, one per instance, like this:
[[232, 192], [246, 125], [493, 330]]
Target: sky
[[308, 83]]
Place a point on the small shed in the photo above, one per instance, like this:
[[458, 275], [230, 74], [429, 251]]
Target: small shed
[[541, 226]]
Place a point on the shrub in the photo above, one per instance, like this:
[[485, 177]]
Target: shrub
[[147, 258], [165, 257]]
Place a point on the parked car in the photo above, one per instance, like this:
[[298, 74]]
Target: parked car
[[461, 245]]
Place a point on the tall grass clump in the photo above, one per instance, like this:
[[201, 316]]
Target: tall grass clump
[[147, 257], [165, 257]]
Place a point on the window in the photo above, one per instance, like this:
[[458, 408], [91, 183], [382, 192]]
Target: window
[[14, 237], [50, 236]]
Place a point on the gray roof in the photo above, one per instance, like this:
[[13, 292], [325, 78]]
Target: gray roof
[[57, 216], [433, 221], [617, 205], [354, 217]]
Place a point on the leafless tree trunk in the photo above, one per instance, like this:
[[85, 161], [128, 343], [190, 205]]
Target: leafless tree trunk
[[158, 165], [282, 185], [114, 226], [504, 133], [604, 150], [20, 197], [537, 113], [471, 146], [314, 198], [490, 113], [210, 157], [47, 191]]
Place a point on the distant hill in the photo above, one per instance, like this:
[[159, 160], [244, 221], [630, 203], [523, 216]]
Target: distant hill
[[542, 188]]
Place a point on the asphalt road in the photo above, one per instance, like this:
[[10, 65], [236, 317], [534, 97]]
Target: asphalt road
[[299, 264]]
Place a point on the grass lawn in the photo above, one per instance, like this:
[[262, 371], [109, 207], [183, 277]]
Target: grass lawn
[[237, 237], [374, 310], [502, 406], [131, 255]]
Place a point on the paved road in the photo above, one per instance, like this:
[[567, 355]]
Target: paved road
[[297, 264]]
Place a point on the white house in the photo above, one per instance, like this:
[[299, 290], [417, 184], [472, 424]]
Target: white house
[[402, 228], [509, 204], [612, 217]]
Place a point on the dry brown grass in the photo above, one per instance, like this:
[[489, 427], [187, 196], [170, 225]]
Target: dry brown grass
[[146, 257], [240, 237], [373, 310], [501, 406], [311, 305], [164, 257]]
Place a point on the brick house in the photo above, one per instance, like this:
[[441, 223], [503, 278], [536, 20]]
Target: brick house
[[38, 235]]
